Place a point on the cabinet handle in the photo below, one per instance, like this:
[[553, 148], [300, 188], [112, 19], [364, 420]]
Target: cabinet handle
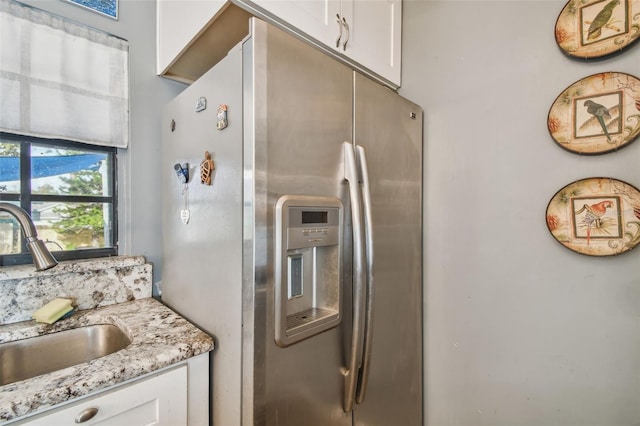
[[86, 415], [340, 29], [346, 27]]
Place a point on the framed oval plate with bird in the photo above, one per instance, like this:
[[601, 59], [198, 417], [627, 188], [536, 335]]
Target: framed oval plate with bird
[[596, 216], [598, 114], [597, 28]]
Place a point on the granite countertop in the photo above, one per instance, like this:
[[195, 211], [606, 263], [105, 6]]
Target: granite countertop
[[160, 338]]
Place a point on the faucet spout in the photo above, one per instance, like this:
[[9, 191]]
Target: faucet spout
[[42, 258]]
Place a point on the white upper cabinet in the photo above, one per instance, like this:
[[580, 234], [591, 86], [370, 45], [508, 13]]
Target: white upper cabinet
[[194, 34], [178, 23], [316, 18], [366, 31], [375, 35]]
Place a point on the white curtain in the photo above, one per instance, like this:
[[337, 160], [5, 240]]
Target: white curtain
[[62, 80]]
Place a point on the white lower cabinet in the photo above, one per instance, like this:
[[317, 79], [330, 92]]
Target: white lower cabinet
[[177, 396], [158, 400]]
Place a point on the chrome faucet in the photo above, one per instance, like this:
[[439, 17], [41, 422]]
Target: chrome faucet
[[42, 258]]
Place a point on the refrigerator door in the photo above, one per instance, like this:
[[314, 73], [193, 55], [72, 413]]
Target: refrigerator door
[[389, 128], [201, 271], [301, 113]]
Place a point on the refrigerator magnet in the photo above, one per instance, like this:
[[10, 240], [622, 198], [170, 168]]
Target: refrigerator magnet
[[182, 171], [206, 169], [222, 117], [201, 104]]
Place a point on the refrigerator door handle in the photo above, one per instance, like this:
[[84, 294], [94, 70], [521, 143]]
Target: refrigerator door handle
[[368, 226], [350, 372]]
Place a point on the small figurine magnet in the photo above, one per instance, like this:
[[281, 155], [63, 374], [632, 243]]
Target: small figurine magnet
[[222, 117], [201, 105], [206, 169], [185, 215], [182, 171]]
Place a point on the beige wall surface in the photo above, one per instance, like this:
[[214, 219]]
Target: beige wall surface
[[519, 330], [139, 184]]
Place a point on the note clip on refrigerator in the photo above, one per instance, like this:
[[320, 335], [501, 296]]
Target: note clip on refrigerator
[[303, 256]]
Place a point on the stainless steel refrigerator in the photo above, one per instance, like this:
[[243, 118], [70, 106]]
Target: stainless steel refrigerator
[[303, 257]]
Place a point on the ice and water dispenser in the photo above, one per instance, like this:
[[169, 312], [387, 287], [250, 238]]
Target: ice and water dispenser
[[308, 234]]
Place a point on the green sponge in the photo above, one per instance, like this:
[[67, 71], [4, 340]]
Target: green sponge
[[53, 311]]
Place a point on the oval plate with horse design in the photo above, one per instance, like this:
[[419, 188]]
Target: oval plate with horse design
[[596, 28], [596, 216], [597, 114]]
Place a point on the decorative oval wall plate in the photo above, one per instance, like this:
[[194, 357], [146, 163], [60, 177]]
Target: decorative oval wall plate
[[596, 28], [596, 216], [597, 114]]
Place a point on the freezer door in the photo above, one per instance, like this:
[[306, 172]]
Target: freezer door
[[389, 128], [302, 113], [201, 268]]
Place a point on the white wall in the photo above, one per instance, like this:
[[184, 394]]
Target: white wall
[[519, 330], [139, 188]]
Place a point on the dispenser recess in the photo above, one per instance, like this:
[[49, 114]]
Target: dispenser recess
[[308, 249]]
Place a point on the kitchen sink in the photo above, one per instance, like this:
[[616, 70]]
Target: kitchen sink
[[26, 358]]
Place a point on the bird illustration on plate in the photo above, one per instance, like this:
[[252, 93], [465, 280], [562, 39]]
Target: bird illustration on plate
[[593, 215], [601, 20], [605, 118]]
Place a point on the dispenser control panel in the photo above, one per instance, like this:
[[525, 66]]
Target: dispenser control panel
[[312, 226], [308, 252]]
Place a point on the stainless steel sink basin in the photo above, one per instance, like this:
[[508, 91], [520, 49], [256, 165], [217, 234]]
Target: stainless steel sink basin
[[26, 358]]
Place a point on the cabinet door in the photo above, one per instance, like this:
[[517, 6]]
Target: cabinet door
[[316, 18], [375, 31], [160, 400]]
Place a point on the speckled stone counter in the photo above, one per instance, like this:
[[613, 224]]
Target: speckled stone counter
[[159, 337]]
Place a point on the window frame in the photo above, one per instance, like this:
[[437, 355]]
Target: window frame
[[26, 197]]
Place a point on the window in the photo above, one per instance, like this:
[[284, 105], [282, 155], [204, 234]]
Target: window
[[69, 189]]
